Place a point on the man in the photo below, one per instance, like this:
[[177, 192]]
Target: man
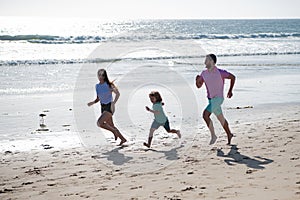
[[214, 81]]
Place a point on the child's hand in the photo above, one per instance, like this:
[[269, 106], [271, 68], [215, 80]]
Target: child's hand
[[147, 108], [90, 103]]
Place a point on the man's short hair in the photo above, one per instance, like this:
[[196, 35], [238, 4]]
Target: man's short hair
[[213, 57]]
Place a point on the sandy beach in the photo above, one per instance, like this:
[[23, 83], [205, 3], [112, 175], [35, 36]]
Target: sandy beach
[[262, 162], [49, 68]]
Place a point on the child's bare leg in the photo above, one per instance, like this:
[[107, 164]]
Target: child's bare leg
[[209, 123], [225, 125], [150, 138], [177, 132]]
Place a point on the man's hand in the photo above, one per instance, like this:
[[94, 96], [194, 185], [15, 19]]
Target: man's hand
[[199, 81], [229, 94]]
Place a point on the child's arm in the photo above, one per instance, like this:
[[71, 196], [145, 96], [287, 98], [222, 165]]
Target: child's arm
[[93, 102], [232, 81], [153, 111], [199, 81]]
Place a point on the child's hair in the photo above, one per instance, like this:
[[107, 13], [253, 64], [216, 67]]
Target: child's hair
[[213, 57], [157, 96], [104, 73]]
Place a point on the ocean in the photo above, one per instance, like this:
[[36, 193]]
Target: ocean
[[47, 41], [42, 56]]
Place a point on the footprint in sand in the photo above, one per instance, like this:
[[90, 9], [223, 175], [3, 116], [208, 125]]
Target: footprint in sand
[[250, 171], [6, 190], [27, 183], [34, 171], [102, 189], [188, 188], [137, 187], [46, 146]]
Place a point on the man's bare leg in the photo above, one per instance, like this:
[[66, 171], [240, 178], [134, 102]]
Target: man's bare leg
[[209, 123], [225, 125]]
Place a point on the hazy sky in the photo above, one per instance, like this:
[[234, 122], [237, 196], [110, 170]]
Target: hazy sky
[[153, 9]]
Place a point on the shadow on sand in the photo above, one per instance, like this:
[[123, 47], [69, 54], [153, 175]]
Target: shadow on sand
[[171, 154], [116, 157], [234, 156]]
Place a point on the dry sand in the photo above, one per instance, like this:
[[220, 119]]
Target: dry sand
[[262, 163]]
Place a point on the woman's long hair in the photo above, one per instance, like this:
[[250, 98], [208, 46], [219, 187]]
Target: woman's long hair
[[106, 79]]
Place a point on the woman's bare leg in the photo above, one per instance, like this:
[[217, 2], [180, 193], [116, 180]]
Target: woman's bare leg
[[104, 122], [117, 134]]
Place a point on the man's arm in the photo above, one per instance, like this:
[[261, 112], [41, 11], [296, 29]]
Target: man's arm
[[232, 81]]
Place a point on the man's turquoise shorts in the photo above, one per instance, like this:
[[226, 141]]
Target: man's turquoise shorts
[[214, 105]]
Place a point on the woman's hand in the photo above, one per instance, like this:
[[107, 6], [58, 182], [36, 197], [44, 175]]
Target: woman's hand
[[112, 107], [91, 103]]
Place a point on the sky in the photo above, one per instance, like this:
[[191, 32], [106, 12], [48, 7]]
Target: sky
[[153, 9]]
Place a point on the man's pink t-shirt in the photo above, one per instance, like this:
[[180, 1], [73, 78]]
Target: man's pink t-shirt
[[214, 81]]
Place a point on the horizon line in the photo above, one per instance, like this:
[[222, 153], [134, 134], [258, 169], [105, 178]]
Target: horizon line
[[124, 19]]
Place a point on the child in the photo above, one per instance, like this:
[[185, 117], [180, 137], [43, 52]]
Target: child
[[104, 90], [214, 81], [160, 118]]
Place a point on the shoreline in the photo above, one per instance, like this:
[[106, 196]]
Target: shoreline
[[60, 120]]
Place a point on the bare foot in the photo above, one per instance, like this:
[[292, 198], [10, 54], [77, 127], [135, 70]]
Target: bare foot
[[213, 139], [122, 142], [147, 145], [178, 134], [229, 139], [117, 135]]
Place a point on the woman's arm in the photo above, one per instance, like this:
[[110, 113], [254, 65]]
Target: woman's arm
[[117, 94], [93, 102]]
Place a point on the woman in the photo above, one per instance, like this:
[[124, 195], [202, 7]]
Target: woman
[[104, 90]]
